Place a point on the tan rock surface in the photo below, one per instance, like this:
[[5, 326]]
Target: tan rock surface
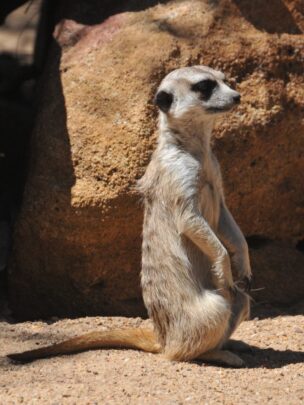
[[274, 373], [77, 241]]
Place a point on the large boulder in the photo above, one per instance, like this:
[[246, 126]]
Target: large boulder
[[77, 240]]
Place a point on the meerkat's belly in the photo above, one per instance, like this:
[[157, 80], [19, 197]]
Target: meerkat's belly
[[210, 204]]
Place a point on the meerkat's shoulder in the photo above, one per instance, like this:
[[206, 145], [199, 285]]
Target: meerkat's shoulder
[[171, 171]]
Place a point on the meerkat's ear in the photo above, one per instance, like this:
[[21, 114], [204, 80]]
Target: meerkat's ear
[[163, 100]]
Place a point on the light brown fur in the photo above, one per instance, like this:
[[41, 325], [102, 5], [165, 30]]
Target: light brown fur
[[190, 240]]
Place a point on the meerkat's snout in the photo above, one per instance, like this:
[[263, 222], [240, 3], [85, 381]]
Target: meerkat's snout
[[223, 99], [237, 98]]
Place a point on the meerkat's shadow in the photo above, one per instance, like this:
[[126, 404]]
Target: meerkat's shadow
[[272, 358], [269, 358]]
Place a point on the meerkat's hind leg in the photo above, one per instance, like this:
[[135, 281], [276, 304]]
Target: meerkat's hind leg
[[240, 312], [222, 357], [237, 346]]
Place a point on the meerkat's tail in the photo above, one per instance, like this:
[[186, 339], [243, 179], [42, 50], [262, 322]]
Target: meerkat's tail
[[137, 338]]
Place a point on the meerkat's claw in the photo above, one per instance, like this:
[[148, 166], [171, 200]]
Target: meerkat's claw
[[244, 284], [247, 284], [233, 289]]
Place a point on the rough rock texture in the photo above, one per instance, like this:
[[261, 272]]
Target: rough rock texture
[[274, 373], [77, 241]]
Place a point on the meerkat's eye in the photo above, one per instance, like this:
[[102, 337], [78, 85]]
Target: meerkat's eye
[[230, 83], [205, 88], [163, 100]]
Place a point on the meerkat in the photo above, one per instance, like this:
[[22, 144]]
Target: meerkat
[[191, 242]]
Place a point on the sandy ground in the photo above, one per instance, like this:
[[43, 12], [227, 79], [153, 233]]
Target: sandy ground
[[274, 372]]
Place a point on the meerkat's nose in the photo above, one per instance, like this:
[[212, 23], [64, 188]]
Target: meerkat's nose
[[237, 99]]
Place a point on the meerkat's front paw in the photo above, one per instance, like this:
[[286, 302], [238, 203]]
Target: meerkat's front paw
[[241, 268], [244, 277]]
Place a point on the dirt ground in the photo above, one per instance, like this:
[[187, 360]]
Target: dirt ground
[[274, 372]]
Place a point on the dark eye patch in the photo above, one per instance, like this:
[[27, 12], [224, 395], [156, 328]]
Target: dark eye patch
[[205, 88]]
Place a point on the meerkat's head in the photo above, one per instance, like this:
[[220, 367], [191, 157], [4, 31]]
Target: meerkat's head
[[195, 92]]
